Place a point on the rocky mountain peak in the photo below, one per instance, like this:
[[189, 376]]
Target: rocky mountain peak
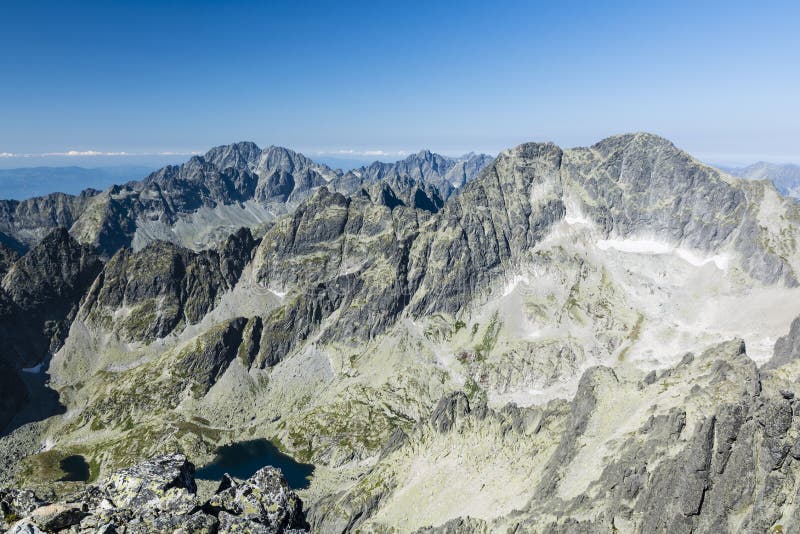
[[532, 151], [40, 294], [241, 155], [57, 267], [275, 158], [640, 136]]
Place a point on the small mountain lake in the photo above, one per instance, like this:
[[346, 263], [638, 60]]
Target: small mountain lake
[[75, 469], [243, 459]]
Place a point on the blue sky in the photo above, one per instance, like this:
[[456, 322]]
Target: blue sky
[[365, 79]]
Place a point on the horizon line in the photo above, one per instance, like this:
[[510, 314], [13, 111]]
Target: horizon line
[[727, 159]]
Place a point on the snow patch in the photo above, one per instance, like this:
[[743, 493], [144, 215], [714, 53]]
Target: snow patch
[[576, 219], [635, 246], [36, 369], [574, 216], [514, 282], [658, 247], [720, 260], [542, 191]]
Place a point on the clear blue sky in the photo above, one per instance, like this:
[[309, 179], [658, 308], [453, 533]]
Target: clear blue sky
[[721, 79]]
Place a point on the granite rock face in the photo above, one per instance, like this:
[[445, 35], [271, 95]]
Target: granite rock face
[[723, 457], [58, 269], [24, 223], [459, 525], [159, 495], [264, 499], [146, 485], [325, 254], [164, 286], [39, 296], [787, 348], [206, 362], [7, 258]]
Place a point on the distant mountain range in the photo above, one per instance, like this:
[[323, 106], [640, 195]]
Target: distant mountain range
[[31, 182], [786, 177], [207, 198]]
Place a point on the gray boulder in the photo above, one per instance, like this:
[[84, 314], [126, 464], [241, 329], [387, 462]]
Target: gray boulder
[[264, 502], [161, 484]]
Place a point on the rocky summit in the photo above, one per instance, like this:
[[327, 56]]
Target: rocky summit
[[594, 339], [160, 495]]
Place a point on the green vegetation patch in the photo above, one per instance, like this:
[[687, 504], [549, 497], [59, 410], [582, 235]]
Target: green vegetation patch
[[489, 339], [633, 337]]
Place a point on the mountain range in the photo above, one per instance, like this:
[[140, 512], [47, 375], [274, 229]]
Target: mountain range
[[786, 177], [210, 196], [596, 339], [29, 182]]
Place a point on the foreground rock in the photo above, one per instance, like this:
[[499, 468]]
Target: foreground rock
[[159, 495]]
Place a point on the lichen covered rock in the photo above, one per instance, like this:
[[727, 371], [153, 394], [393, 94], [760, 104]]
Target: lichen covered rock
[[159, 495]]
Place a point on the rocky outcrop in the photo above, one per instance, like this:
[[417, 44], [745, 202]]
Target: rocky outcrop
[[206, 360], [39, 297], [787, 348], [448, 411], [26, 222], [59, 268], [164, 286], [730, 468], [159, 495], [7, 258], [292, 324], [348, 255], [471, 245], [404, 191], [707, 444], [460, 525], [264, 499]]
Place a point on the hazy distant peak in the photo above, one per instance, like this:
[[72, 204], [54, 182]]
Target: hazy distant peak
[[785, 176]]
